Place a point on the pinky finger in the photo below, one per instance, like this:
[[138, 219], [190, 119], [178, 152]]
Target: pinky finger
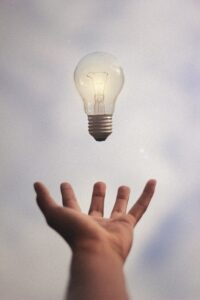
[[142, 203]]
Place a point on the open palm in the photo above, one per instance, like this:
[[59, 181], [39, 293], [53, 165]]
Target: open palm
[[82, 231]]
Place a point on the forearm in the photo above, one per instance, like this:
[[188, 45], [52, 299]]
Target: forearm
[[97, 275]]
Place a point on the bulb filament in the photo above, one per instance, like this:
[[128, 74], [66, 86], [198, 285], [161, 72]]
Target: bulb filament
[[98, 82]]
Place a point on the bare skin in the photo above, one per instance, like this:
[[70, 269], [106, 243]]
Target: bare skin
[[99, 245]]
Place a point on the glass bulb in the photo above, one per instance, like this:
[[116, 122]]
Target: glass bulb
[[99, 80]]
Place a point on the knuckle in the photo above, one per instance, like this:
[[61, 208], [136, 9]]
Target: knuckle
[[143, 206]]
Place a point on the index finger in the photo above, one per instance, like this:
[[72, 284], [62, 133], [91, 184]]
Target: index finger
[[142, 203]]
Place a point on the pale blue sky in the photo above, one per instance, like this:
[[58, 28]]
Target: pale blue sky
[[155, 134]]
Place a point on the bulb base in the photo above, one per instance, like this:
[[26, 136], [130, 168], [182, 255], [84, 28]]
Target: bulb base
[[100, 126]]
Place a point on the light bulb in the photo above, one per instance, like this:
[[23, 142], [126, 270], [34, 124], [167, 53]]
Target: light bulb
[[99, 80]]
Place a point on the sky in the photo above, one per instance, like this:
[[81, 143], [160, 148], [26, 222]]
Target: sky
[[44, 137]]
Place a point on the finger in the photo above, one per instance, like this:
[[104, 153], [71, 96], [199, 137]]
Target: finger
[[97, 202], [68, 196], [121, 201], [44, 200], [142, 203]]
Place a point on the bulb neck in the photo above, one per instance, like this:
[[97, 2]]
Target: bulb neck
[[100, 126]]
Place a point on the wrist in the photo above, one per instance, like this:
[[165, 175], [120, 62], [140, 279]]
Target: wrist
[[100, 270], [96, 249]]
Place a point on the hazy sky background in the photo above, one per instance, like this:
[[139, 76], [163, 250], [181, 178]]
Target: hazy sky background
[[156, 135]]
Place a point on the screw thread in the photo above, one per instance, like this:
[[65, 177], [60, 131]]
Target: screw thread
[[100, 126]]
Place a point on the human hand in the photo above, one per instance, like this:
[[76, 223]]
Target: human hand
[[92, 232]]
